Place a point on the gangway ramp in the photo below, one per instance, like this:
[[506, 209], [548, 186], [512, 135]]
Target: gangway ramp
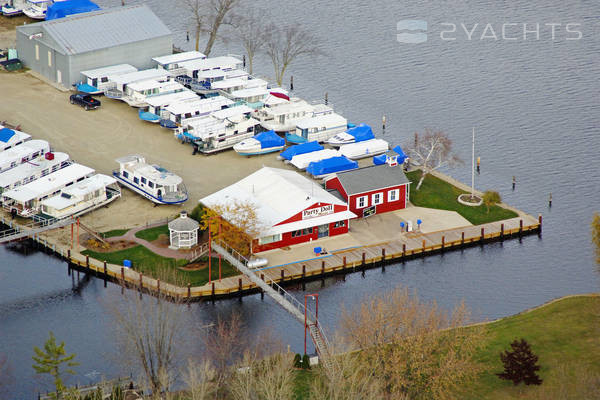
[[22, 232]]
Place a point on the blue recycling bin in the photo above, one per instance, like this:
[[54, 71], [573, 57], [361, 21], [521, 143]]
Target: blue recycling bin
[[127, 263], [317, 250]]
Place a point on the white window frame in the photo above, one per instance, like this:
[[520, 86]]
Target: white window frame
[[269, 239], [396, 193], [364, 199], [374, 198]]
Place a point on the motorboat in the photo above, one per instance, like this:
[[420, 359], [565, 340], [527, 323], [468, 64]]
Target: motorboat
[[13, 7], [355, 134], [263, 143], [36, 9], [150, 181], [368, 148], [10, 138]]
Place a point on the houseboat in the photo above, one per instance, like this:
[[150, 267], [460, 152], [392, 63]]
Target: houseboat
[[100, 79], [32, 170], [301, 161], [263, 143], [25, 200], [355, 134], [36, 9], [185, 110], [150, 181], [13, 7], [194, 68], [22, 153], [282, 117], [219, 131], [172, 62], [10, 138], [137, 93], [367, 148], [320, 128], [82, 197], [157, 104], [118, 86]]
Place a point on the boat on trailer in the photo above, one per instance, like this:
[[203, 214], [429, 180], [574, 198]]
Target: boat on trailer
[[100, 79], [320, 128], [13, 7], [33, 170], [10, 138], [368, 148], [22, 153], [25, 200], [150, 181], [263, 143], [82, 197], [220, 130]]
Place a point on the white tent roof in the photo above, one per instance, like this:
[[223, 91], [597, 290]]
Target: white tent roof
[[277, 194], [109, 71]]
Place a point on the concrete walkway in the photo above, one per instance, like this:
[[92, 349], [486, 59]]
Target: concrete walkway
[[161, 251]]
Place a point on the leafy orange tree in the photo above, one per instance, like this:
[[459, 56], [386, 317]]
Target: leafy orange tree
[[235, 223], [596, 235]]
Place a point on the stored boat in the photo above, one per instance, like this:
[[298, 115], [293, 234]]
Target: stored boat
[[219, 131], [282, 117], [61, 9], [82, 197], [10, 138], [319, 128], [263, 143], [195, 108], [302, 161], [172, 62], [32, 170], [148, 116], [22, 153], [26, 200], [355, 134], [118, 84], [137, 93], [156, 104], [151, 181], [13, 7], [100, 79], [368, 148], [36, 9], [303, 148], [319, 169]]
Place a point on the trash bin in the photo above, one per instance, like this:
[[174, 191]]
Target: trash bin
[[127, 263]]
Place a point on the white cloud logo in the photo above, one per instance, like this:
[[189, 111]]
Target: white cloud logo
[[417, 31]]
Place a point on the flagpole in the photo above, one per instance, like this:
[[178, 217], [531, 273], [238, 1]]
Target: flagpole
[[473, 167]]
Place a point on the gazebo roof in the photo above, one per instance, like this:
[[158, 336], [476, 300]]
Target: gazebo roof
[[183, 224]]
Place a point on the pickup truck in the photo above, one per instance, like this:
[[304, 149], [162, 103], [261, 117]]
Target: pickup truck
[[85, 100]]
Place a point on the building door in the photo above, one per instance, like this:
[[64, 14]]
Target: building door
[[58, 76], [323, 230]]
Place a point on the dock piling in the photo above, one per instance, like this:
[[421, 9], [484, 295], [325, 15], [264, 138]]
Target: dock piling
[[502, 232], [105, 273], [443, 242], [540, 222], [363, 258], [462, 239], [158, 286], [403, 251], [520, 227], [122, 276], [240, 288], [482, 235], [189, 290]]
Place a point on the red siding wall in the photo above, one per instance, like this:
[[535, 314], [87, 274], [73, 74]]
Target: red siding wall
[[383, 207], [298, 217], [334, 183]]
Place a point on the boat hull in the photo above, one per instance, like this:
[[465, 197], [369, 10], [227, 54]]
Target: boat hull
[[35, 14], [8, 11], [131, 186], [257, 152]]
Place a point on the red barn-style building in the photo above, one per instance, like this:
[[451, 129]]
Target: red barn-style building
[[291, 208], [372, 190]]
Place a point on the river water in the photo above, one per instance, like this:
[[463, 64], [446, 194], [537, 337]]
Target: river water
[[534, 103]]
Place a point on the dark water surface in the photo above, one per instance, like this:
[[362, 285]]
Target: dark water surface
[[535, 106]]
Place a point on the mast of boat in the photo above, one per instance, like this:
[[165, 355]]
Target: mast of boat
[[473, 166]]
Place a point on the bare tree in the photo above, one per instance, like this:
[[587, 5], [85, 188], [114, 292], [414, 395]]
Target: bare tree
[[432, 150], [414, 348], [252, 32], [150, 330], [198, 16], [198, 378], [220, 13], [287, 44]]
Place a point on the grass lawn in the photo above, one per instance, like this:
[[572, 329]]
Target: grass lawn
[[164, 268], [152, 234], [564, 333], [114, 232], [439, 194]]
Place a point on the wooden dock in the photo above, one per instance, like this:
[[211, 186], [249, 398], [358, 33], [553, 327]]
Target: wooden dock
[[406, 246]]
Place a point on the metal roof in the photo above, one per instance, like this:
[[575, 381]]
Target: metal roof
[[179, 57], [103, 29], [109, 70], [371, 178]]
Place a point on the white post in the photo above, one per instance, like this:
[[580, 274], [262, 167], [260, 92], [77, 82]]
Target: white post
[[473, 167]]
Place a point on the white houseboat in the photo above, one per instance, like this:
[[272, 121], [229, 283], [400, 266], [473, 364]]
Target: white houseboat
[[36, 9], [185, 110], [100, 79], [26, 200], [22, 153], [32, 170], [171, 62], [13, 7], [151, 181], [220, 130], [119, 83], [225, 63], [253, 94], [157, 104], [82, 197], [282, 117], [11, 137], [137, 93], [320, 128]]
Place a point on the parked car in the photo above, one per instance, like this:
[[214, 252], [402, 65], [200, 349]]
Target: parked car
[[85, 100]]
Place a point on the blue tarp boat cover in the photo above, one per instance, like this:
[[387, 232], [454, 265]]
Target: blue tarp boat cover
[[307, 147], [269, 139], [380, 159], [361, 133], [147, 116], [167, 123], [85, 88], [331, 165], [6, 134], [401, 155], [62, 9]]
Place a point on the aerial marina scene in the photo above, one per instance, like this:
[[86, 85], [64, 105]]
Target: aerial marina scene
[[289, 201]]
